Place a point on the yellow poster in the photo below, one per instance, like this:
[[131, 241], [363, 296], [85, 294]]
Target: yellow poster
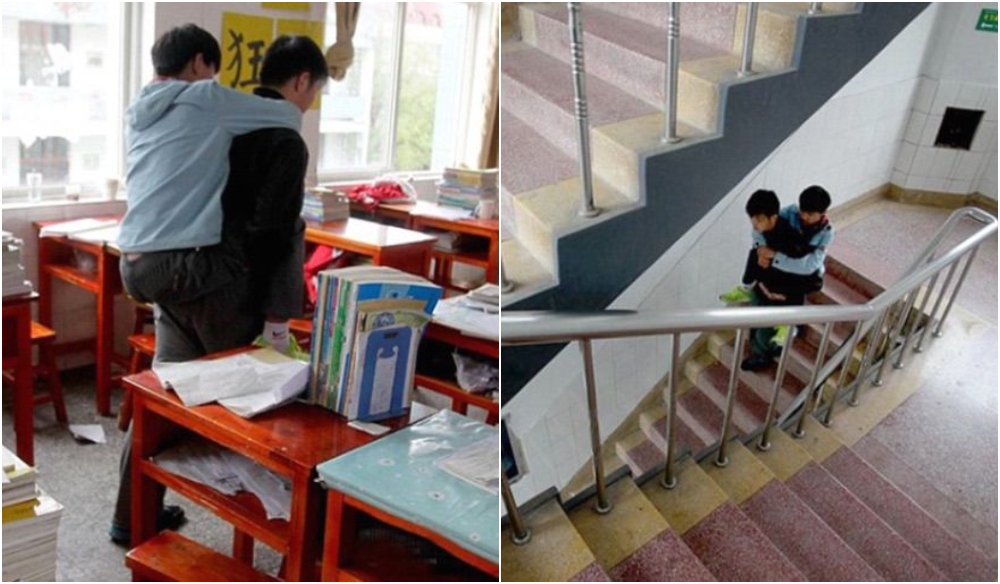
[[297, 6], [311, 29], [244, 40]]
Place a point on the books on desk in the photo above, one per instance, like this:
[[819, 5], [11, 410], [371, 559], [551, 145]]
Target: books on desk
[[321, 204], [30, 524], [465, 188], [75, 227], [366, 330], [15, 279]]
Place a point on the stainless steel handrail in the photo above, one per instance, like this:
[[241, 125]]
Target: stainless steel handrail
[[749, 33], [582, 116], [671, 74], [547, 327]]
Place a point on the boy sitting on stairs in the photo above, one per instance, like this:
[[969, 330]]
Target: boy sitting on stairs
[[785, 263]]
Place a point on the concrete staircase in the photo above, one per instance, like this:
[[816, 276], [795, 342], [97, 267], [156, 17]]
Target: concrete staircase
[[809, 509], [650, 193]]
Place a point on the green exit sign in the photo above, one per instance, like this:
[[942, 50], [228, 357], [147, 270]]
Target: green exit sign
[[987, 20]]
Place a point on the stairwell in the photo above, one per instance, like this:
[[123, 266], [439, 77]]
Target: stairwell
[[650, 193]]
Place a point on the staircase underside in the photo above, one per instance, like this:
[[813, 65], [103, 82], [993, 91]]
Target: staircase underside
[[596, 264]]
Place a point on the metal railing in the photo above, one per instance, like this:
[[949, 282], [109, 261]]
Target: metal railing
[[881, 320], [580, 104]]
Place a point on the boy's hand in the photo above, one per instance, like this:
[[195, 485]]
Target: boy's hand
[[771, 295]]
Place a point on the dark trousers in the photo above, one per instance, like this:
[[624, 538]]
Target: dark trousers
[[794, 287], [202, 304]]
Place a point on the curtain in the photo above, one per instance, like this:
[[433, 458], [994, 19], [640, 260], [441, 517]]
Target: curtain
[[341, 54], [489, 154]]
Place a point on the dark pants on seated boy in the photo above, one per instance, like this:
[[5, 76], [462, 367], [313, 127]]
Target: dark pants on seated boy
[[773, 287]]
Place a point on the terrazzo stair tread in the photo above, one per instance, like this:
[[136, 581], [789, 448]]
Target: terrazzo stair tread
[[624, 52], [953, 557], [841, 270], [936, 503], [887, 552], [665, 558], [733, 549], [551, 529], [538, 89], [804, 538], [704, 410], [761, 382], [640, 458], [837, 291], [749, 410], [538, 161], [710, 22], [655, 429], [592, 573], [524, 271]]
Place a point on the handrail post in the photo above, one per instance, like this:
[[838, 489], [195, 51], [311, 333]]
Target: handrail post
[[937, 305], [807, 406], [765, 437], [916, 321], [670, 77], [669, 481], [750, 30], [520, 534], [874, 337], [815, 7], [891, 331], [958, 286], [582, 117], [505, 284], [602, 505], [910, 302], [721, 460], [844, 368]]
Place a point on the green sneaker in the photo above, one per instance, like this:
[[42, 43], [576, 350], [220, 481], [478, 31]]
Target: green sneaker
[[781, 335], [737, 295], [294, 350]]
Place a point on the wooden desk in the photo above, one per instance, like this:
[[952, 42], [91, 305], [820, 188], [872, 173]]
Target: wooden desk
[[291, 441], [461, 399], [17, 356], [387, 246], [434, 505], [55, 261]]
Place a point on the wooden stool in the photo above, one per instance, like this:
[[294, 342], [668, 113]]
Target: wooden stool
[[171, 557], [143, 347], [43, 337]]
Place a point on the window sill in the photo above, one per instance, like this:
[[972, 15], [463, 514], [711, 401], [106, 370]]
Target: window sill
[[54, 203]]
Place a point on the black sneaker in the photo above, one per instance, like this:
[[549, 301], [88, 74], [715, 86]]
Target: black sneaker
[[756, 362], [171, 517]]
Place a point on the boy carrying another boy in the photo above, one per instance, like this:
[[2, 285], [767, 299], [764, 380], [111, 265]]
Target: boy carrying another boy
[[785, 264]]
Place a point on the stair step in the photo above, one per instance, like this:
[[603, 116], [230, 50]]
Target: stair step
[[654, 425], [708, 417], [711, 23], [861, 528], [538, 161], [837, 291], [936, 503], [627, 53], [641, 457], [551, 530], [733, 549], [804, 538], [749, 410], [592, 573], [956, 559], [524, 271], [171, 557], [665, 558], [538, 89], [761, 382]]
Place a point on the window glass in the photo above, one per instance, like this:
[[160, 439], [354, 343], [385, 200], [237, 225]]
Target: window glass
[[61, 80]]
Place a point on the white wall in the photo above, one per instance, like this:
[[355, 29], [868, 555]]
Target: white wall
[[849, 146], [960, 70]]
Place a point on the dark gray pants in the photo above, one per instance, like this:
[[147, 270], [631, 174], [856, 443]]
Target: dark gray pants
[[202, 304]]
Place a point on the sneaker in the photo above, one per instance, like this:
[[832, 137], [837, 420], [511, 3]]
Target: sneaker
[[756, 362], [737, 295], [171, 517], [781, 335]]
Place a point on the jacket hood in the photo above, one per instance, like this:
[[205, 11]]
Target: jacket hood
[[153, 102]]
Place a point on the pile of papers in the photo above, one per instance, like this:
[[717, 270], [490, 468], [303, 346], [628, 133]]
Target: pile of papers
[[15, 280], [464, 188], [246, 384], [366, 329], [30, 524], [322, 204]]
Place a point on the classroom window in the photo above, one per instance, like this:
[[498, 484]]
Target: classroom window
[[62, 88], [402, 105]]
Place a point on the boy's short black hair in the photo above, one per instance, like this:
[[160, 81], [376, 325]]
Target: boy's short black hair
[[289, 56], [763, 202], [175, 49], [814, 199]]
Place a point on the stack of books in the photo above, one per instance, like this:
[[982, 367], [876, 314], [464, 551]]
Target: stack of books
[[30, 525], [321, 204], [15, 280], [366, 330], [464, 188]]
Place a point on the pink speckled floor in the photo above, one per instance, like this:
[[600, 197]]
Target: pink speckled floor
[[665, 558]]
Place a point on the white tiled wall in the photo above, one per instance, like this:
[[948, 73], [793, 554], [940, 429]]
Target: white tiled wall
[[849, 146]]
